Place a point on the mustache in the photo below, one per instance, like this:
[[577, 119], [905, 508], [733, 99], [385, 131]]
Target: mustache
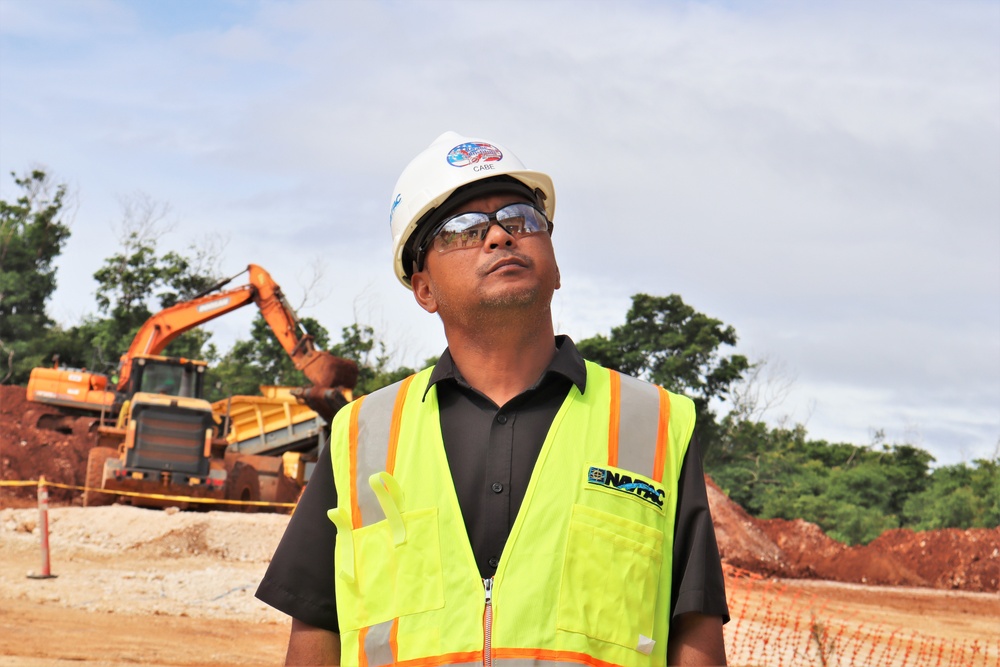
[[506, 255]]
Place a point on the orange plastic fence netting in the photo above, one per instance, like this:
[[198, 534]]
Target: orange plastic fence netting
[[778, 626]]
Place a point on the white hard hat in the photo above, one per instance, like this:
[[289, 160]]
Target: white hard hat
[[449, 163]]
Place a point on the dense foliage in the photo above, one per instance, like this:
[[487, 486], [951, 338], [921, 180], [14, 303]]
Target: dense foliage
[[32, 235], [668, 342], [853, 492]]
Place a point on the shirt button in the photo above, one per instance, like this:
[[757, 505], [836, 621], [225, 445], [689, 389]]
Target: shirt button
[[494, 562], [497, 487], [502, 419]]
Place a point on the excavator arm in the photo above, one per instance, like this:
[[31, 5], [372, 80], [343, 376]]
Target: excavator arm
[[323, 369], [163, 327], [320, 367]]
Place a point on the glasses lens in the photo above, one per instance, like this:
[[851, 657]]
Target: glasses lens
[[522, 219], [463, 231], [469, 230]]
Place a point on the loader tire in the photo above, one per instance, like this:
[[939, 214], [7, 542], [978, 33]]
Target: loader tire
[[92, 497], [246, 487]]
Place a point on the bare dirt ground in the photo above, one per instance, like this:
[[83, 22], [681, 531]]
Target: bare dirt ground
[[161, 587], [151, 587], [138, 586]]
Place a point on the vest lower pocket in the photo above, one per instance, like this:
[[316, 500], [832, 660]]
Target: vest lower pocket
[[610, 578], [392, 580]]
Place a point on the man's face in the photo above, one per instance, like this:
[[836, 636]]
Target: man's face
[[505, 274]]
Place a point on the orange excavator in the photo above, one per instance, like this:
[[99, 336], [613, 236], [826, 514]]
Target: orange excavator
[[83, 392], [156, 433]]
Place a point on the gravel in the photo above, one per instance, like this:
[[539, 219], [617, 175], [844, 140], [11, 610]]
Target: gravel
[[121, 559]]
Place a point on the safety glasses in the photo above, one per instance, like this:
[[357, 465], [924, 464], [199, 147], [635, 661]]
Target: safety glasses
[[469, 230]]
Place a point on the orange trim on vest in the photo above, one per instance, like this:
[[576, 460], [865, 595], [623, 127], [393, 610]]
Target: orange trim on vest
[[353, 455], [614, 421], [393, 645], [661, 436], [362, 658], [549, 655], [397, 417], [446, 659]]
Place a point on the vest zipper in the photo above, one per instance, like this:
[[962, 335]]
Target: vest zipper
[[488, 624]]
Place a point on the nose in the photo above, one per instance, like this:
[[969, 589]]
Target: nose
[[497, 235]]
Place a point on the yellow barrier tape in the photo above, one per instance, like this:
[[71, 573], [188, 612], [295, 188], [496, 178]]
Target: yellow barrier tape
[[154, 496]]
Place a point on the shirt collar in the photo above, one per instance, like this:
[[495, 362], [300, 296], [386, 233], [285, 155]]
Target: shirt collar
[[568, 362]]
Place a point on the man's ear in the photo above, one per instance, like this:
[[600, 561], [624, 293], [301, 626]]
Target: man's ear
[[422, 291]]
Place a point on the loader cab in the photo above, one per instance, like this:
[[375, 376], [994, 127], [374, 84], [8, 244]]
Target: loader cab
[[167, 376], [167, 428]]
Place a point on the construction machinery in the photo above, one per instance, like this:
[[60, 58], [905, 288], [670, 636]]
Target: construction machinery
[[156, 433], [273, 442]]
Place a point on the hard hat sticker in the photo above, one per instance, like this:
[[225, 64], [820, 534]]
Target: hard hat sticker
[[473, 153], [395, 203]]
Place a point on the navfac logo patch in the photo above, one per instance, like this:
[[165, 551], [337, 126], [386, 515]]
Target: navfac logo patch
[[627, 483], [475, 152]]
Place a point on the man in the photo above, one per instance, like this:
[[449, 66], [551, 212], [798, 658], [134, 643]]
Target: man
[[514, 503]]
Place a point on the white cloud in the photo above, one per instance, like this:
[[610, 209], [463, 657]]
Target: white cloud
[[823, 176]]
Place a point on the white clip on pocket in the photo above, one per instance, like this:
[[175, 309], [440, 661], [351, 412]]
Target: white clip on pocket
[[390, 497], [341, 518]]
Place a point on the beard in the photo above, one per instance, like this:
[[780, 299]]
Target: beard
[[497, 308], [496, 303]]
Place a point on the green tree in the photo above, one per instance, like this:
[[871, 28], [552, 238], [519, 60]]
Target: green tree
[[260, 360], [958, 496], [986, 485], [855, 524], [136, 282], [668, 342], [360, 344], [907, 473], [854, 493], [32, 235]]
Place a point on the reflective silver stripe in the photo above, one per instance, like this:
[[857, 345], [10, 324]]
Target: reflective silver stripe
[[639, 424], [528, 662], [377, 650], [506, 662], [374, 424]]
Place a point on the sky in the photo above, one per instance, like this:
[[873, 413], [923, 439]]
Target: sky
[[822, 176]]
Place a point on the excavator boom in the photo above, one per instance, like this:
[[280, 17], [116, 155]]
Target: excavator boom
[[321, 368]]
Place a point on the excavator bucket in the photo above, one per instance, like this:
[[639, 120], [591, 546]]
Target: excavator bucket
[[326, 370], [325, 402]]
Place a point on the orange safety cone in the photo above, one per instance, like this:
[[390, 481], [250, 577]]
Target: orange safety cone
[[43, 530]]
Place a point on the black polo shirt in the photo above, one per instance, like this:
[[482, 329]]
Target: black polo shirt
[[491, 451]]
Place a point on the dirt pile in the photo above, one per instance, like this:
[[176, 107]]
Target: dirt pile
[[948, 559], [742, 543], [967, 560], [26, 452]]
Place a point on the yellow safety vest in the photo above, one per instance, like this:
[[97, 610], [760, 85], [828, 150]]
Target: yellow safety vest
[[584, 577]]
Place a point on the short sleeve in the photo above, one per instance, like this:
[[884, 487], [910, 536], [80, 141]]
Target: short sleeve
[[300, 580], [698, 582]]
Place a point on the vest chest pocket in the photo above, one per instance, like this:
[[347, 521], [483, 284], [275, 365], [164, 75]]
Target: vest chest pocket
[[610, 578], [391, 580]]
